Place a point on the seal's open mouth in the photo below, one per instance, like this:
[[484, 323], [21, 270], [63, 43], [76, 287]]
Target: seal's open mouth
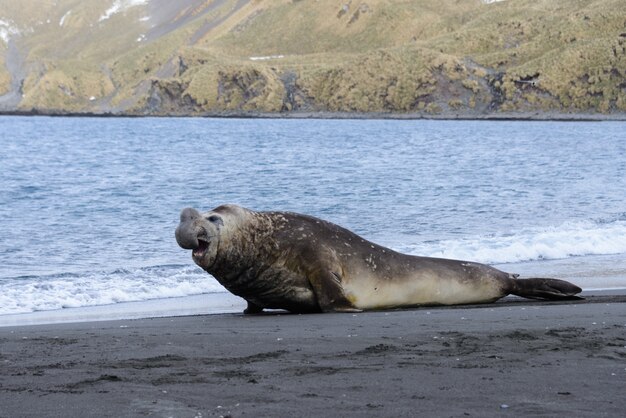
[[203, 246]]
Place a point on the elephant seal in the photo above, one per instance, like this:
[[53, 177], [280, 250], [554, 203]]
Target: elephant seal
[[283, 260]]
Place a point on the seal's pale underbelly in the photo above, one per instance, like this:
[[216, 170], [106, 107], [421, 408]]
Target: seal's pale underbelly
[[431, 282], [370, 293]]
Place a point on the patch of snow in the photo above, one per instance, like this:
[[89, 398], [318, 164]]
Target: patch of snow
[[7, 29], [121, 6], [62, 21], [266, 57], [491, 1], [144, 19], [141, 37]]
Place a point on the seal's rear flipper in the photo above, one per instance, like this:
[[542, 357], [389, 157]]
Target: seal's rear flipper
[[550, 289]]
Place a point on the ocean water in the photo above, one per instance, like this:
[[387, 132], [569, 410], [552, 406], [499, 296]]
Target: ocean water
[[88, 206]]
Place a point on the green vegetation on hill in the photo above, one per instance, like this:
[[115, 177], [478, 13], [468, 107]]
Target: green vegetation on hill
[[431, 57], [5, 77]]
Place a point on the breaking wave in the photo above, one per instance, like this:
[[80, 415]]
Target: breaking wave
[[570, 239], [43, 293]]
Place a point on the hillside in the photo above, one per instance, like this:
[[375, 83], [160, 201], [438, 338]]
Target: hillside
[[467, 58]]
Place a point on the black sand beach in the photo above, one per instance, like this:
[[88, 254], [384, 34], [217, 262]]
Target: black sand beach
[[512, 358]]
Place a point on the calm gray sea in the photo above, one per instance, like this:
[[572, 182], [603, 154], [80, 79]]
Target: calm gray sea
[[88, 206]]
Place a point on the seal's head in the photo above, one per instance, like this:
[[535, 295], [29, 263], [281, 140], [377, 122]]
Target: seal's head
[[200, 232]]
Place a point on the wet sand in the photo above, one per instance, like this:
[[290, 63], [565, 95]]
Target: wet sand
[[515, 358]]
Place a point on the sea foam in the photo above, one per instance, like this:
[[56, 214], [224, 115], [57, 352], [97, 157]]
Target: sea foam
[[42, 293], [570, 239]]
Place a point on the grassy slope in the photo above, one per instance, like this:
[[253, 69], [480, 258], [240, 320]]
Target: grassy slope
[[373, 56], [72, 69], [5, 77]]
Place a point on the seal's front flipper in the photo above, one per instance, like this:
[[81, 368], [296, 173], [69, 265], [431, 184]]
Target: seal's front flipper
[[252, 309], [550, 289], [329, 292]]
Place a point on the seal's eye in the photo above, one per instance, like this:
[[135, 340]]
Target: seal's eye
[[215, 219]]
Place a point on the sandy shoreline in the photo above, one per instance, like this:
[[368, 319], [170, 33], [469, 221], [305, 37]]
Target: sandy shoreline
[[515, 357]]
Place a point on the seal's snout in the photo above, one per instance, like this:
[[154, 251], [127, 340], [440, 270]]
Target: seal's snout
[[186, 233], [189, 214]]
